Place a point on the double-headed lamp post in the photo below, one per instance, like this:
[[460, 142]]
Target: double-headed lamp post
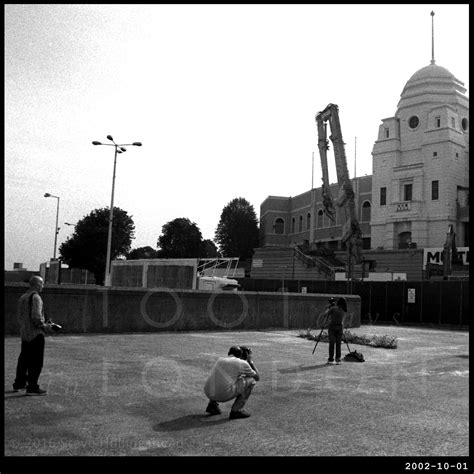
[[119, 148], [56, 229]]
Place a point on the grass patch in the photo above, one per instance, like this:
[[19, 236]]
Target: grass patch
[[387, 342]]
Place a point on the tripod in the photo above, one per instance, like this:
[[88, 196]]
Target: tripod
[[345, 340], [322, 329]]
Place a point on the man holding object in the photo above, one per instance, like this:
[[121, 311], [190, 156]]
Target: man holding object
[[232, 377], [32, 330]]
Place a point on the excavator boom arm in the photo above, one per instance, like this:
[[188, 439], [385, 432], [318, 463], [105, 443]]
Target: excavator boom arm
[[352, 235], [323, 147]]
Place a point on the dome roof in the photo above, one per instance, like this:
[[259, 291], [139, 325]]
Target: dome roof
[[432, 71], [431, 80]]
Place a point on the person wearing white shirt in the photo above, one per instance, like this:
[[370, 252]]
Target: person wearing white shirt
[[231, 377]]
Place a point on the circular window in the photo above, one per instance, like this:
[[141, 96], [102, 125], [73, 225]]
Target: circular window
[[413, 122], [464, 124]]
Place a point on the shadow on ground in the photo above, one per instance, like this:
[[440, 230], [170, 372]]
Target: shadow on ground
[[301, 368], [12, 394], [188, 422]]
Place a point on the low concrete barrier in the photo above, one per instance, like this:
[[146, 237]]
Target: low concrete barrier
[[95, 309]]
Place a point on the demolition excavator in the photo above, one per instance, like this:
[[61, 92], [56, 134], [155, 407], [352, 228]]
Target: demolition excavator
[[449, 257], [351, 232], [449, 252]]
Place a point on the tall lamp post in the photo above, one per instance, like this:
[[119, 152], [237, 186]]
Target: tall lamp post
[[119, 148], [56, 229]]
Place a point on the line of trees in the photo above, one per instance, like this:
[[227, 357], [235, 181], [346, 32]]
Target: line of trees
[[236, 235]]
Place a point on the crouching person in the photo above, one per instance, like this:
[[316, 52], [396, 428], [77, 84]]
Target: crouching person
[[231, 377]]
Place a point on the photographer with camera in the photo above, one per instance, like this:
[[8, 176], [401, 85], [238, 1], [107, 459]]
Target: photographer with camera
[[332, 302], [32, 331], [335, 329], [231, 377]]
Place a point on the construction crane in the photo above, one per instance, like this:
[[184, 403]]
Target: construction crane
[[351, 232]]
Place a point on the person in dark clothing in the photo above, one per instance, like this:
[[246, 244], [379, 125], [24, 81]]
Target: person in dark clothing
[[336, 316], [32, 332]]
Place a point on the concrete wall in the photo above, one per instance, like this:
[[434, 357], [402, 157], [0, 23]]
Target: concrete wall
[[155, 272], [99, 309], [19, 275]]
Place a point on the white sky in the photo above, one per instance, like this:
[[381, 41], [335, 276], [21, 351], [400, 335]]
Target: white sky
[[223, 98]]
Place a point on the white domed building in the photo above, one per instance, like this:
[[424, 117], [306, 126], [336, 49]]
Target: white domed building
[[420, 180], [419, 187]]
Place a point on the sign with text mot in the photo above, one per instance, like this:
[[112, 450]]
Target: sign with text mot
[[435, 255]]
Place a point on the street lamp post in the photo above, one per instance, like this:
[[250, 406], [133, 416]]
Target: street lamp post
[[118, 149], [56, 229]]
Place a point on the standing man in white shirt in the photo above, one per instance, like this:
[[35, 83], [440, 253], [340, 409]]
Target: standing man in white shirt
[[232, 377]]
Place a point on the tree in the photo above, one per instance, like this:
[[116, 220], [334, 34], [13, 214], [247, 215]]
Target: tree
[[237, 231], [142, 252], [87, 247], [209, 249], [180, 238]]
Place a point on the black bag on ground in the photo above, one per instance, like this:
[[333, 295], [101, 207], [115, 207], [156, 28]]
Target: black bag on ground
[[354, 356]]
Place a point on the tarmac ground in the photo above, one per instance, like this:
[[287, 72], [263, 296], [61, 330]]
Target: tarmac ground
[[141, 394]]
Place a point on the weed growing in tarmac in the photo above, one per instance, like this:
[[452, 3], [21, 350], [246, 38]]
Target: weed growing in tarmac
[[387, 342]]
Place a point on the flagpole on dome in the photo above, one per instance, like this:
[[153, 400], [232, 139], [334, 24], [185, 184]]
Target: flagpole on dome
[[432, 38]]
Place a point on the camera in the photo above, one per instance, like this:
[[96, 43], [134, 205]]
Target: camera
[[245, 352], [55, 327]]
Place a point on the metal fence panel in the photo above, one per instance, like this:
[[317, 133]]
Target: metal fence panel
[[465, 300], [451, 302], [413, 302], [431, 305], [395, 307], [363, 289], [336, 287], [377, 303], [398, 302]]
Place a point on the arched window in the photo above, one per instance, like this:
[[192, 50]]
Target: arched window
[[279, 226], [308, 221], [404, 240], [365, 217], [319, 223], [293, 225], [300, 226]]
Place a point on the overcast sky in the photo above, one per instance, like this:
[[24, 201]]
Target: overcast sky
[[223, 98]]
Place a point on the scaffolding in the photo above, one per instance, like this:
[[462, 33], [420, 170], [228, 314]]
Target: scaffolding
[[225, 267]]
